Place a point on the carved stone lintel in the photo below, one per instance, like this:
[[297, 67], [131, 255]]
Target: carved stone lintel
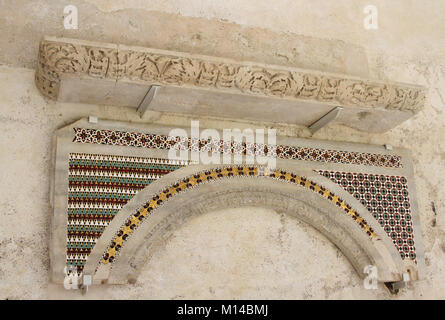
[[63, 57]]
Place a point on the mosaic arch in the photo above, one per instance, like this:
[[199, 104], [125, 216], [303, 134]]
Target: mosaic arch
[[149, 208], [130, 239], [114, 180]]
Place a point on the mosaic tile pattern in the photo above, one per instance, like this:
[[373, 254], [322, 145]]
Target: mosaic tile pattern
[[134, 220], [387, 198], [99, 186], [155, 141]]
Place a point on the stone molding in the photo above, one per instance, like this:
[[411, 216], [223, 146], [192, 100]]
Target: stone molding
[[60, 58], [63, 192], [304, 204]]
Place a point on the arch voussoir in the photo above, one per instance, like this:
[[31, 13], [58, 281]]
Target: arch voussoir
[[146, 222]]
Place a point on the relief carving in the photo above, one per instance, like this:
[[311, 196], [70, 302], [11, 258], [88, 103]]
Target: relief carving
[[57, 58]]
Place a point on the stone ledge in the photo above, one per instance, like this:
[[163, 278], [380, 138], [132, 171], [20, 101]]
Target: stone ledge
[[101, 73]]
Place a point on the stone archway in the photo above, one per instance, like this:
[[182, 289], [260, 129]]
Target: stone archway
[[245, 253], [156, 211]]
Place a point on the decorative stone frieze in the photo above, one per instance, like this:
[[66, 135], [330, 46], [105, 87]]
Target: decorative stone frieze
[[65, 58], [58, 58]]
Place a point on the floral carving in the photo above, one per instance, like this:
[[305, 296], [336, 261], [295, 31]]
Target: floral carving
[[311, 86], [58, 58], [413, 99], [328, 90], [376, 95], [207, 74]]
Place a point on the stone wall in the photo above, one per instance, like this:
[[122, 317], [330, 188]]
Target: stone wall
[[209, 257]]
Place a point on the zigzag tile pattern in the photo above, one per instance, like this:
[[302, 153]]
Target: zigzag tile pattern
[[99, 186]]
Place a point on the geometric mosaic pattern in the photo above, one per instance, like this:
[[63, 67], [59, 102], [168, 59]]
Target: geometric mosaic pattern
[[156, 141], [387, 198], [159, 199], [99, 186]]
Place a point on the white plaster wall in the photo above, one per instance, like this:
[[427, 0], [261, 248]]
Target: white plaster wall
[[402, 23], [409, 46]]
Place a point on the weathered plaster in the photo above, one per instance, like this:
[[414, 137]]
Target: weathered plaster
[[162, 30], [196, 260]]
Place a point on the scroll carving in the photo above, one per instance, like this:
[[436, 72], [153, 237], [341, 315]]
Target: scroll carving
[[60, 58]]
